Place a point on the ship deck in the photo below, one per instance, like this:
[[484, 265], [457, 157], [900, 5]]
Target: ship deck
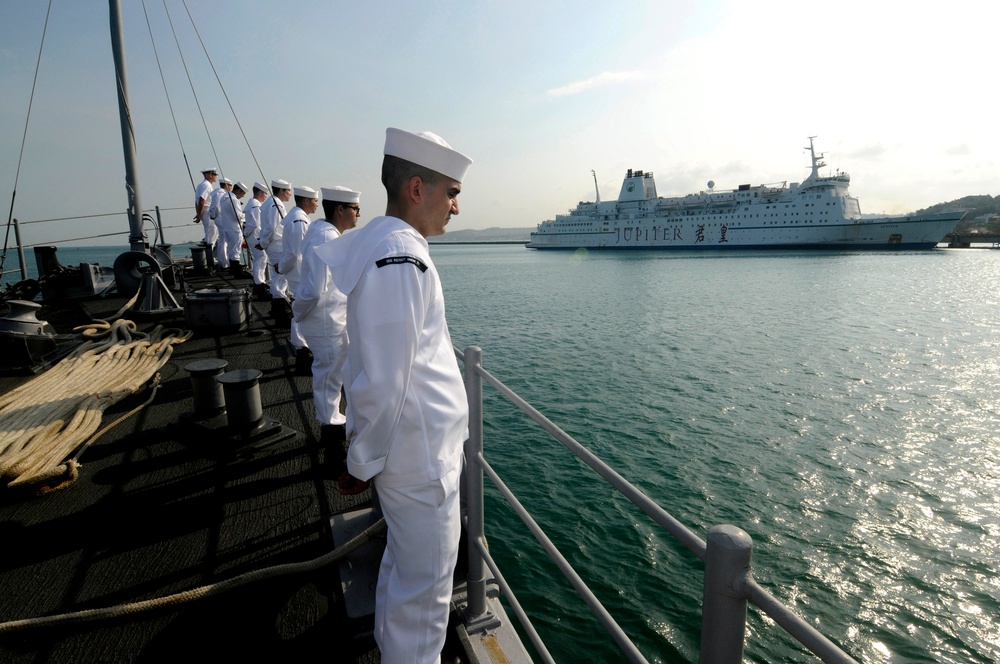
[[161, 507]]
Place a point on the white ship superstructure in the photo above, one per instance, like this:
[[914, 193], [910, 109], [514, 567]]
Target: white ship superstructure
[[816, 213]]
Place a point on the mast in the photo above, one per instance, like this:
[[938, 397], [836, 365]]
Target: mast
[[136, 238], [596, 188], [817, 160]]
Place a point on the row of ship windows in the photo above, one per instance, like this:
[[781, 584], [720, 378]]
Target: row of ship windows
[[606, 227], [736, 216]]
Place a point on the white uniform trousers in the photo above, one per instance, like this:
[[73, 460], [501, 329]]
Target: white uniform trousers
[[415, 579], [221, 257], [232, 242], [295, 336], [259, 261], [329, 355], [279, 284], [211, 231]]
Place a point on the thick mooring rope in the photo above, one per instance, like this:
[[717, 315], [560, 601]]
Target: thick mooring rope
[[44, 420], [177, 600]]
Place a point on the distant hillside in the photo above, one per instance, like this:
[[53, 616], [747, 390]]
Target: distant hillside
[[486, 235], [978, 207]]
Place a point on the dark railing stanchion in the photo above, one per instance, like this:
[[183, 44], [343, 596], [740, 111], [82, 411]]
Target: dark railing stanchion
[[20, 249], [724, 603], [478, 616]]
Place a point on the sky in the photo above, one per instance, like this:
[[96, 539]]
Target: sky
[[538, 94]]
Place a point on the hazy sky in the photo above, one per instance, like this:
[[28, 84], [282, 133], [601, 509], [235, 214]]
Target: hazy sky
[[900, 95]]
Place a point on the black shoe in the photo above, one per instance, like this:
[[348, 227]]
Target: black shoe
[[303, 362], [332, 437], [280, 312]]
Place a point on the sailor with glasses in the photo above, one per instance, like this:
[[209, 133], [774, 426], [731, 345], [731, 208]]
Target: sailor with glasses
[[320, 311]]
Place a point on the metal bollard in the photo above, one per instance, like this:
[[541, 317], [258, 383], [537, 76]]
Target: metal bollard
[[724, 604], [242, 396], [198, 259], [208, 396]]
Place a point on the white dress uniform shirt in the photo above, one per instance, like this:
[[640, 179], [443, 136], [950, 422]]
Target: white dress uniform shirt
[[321, 313], [203, 192], [272, 211], [229, 219], [405, 391], [251, 232], [294, 227]]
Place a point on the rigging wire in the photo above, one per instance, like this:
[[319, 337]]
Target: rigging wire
[[229, 196], [224, 94], [105, 214], [187, 72], [24, 136], [173, 117], [47, 243]]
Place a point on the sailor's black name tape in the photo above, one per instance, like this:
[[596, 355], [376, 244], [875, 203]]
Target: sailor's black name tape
[[400, 260]]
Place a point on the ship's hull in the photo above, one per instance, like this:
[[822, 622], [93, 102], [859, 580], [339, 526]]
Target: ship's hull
[[911, 232]]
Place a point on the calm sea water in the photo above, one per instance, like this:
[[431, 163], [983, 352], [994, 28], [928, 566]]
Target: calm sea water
[[842, 408]]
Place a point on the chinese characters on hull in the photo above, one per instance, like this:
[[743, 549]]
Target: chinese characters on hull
[[660, 234]]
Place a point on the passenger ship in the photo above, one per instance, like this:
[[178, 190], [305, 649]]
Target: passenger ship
[[818, 213]]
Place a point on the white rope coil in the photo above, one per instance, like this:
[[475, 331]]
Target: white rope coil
[[44, 420]]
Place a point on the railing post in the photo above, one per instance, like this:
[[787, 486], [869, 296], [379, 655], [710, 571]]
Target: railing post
[[159, 226], [724, 605], [20, 250], [477, 615]]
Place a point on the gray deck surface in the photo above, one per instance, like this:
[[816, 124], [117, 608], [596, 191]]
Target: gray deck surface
[[160, 508]]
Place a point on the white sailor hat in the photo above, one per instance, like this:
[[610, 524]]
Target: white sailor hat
[[305, 192], [209, 170], [226, 181], [281, 184], [341, 195], [242, 187], [258, 185], [427, 150]]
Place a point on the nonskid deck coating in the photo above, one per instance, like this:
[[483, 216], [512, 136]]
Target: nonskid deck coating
[[161, 508]]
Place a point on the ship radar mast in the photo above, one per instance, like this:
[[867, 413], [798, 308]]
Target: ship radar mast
[[817, 159], [596, 188]]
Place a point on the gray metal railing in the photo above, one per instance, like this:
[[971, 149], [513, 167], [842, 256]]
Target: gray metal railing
[[727, 554]]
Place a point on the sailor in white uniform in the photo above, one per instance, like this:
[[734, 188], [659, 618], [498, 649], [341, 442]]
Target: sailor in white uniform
[[251, 233], [225, 187], [293, 230], [294, 227], [272, 211], [230, 222], [202, 207], [321, 314], [407, 413]]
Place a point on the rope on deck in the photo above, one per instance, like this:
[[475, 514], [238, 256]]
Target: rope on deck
[[177, 600], [46, 419]]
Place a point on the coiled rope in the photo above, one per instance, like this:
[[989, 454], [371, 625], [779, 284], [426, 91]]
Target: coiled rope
[[46, 419], [195, 594]]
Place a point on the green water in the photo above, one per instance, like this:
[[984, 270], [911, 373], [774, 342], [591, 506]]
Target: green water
[[839, 407]]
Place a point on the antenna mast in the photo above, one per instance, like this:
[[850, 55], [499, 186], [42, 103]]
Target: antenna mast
[[596, 188]]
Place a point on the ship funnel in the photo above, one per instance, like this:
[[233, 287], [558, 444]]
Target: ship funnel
[[638, 186]]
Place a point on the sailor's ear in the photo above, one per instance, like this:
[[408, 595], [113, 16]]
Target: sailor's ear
[[416, 188]]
